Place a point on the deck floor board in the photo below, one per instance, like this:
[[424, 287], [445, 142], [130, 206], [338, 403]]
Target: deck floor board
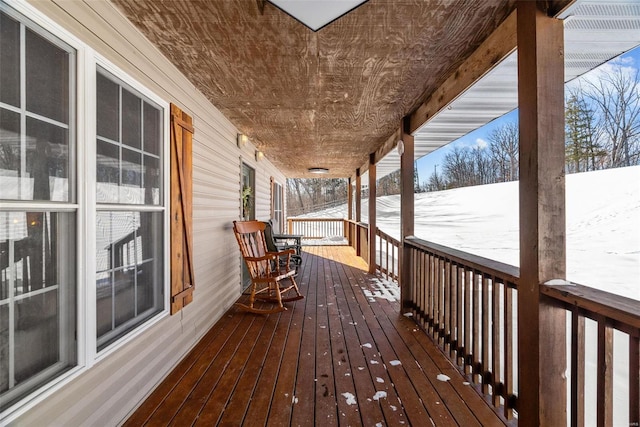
[[342, 356]]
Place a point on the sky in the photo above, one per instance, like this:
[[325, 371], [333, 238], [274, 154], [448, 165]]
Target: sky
[[479, 137]]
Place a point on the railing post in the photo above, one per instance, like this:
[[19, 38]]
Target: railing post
[[542, 394], [406, 211], [372, 213], [358, 195], [349, 199]]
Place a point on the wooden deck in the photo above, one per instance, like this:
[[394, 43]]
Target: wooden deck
[[338, 357]]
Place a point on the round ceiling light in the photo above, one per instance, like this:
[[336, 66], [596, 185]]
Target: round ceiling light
[[318, 170]]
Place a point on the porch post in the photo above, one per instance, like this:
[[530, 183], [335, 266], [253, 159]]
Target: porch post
[[358, 191], [349, 200], [372, 213], [542, 397], [406, 210]]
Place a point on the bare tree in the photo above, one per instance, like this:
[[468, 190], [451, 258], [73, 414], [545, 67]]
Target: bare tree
[[503, 146], [436, 182], [616, 96]]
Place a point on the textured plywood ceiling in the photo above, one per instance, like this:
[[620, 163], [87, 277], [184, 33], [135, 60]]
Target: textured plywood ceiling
[[316, 99]]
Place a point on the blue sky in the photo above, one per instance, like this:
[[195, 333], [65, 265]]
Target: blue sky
[[479, 136]]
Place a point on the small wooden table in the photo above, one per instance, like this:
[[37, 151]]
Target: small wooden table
[[284, 240]]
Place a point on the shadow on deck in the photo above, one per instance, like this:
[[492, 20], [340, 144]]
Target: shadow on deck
[[344, 355]]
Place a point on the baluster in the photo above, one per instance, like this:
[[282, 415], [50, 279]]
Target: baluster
[[577, 369], [459, 321], [477, 321], [634, 381], [453, 318], [446, 304], [468, 320], [496, 387], [485, 333], [605, 373], [508, 350]]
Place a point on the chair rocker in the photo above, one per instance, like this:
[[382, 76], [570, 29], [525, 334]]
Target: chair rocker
[[265, 269]]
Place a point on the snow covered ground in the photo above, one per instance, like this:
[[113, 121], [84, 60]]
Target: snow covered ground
[[603, 225]]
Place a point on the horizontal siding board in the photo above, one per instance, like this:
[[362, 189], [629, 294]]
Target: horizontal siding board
[[106, 393]]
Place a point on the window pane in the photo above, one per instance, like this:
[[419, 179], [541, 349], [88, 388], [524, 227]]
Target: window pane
[[139, 176], [9, 61], [131, 191], [44, 173], [47, 77], [124, 295], [131, 117], [107, 108], [37, 273], [152, 130], [152, 180], [104, 298], [129, 260], [107, 172], [9, 155], [47, 166], [131, 168]]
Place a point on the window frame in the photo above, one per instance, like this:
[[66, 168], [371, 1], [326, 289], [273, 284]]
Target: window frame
[[94, 63], [82, 198], [277, 200], [115, 72]]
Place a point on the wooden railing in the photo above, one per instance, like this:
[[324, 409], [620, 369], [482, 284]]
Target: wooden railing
[[607, 313], [387, 255], [316, 228], [468, 305]]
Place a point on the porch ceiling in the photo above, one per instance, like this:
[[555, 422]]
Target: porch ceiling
[[317, 99]]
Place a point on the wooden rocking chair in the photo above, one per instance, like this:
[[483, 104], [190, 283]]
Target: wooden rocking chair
[[264, 268]]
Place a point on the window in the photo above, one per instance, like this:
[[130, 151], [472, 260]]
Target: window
[[277, 206], [50, 292], [129, 217], [38, 213]]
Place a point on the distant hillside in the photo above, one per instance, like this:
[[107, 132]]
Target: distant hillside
[[603, 224]]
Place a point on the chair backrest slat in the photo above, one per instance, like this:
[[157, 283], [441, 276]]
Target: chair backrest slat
[[251, 240]]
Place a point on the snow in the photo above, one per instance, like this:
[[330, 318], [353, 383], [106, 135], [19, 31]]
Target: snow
[[443, 377], [351, 399], [380, 395], [603, 225]]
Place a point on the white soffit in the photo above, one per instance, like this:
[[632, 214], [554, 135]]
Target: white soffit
[[594, 32], [315, 14]]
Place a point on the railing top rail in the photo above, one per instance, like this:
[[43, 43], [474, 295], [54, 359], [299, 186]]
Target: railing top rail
[[620, 309], [388, 237], [488, 266], [315, 219]]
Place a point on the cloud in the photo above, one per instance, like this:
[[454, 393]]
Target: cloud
[[481, 143], [624, 64]]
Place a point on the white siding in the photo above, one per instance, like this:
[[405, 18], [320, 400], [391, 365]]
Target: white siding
[[106, 393]]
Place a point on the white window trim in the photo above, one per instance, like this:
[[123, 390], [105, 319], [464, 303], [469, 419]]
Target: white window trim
[[94, 61], [87, 61]]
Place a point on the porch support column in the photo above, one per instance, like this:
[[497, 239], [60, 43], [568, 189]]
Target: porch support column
[[407, 173], [542, 397], [372, 213], [358, 195], [349, 200], [358, 191]]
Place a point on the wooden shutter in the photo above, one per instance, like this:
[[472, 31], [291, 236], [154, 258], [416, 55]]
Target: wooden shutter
[[182, 278]]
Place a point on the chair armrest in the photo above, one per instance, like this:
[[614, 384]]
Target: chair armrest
[[285, 252], [269, 256]]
